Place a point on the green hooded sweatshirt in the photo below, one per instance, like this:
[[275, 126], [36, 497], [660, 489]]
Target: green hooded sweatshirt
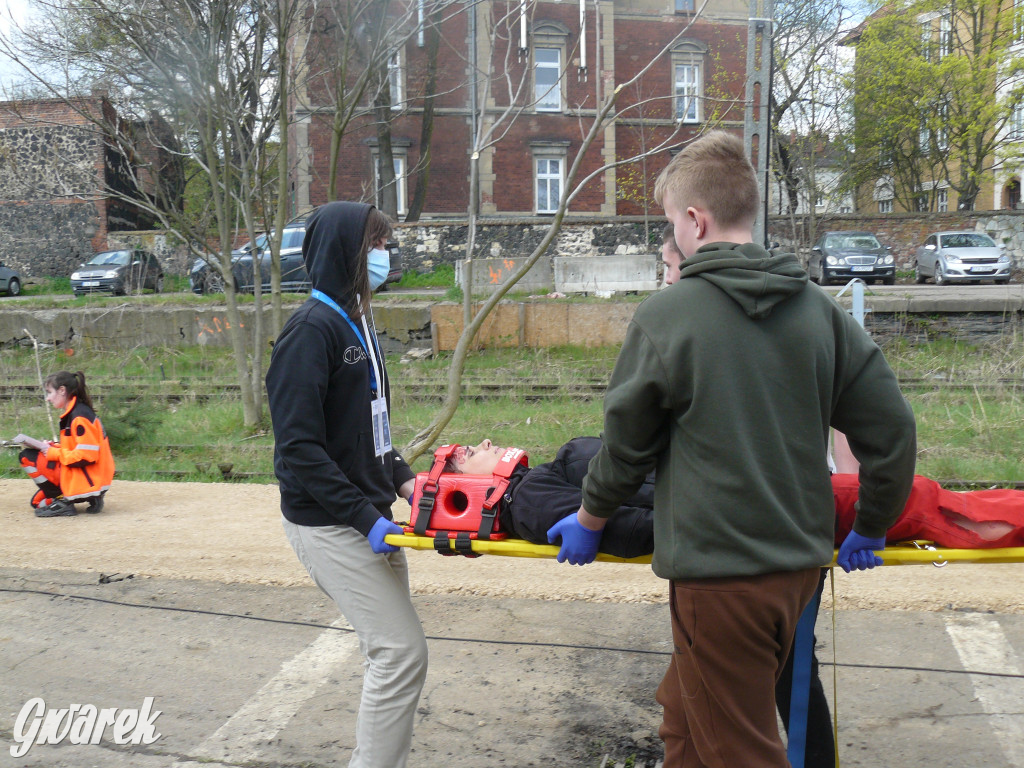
[[726, 384]]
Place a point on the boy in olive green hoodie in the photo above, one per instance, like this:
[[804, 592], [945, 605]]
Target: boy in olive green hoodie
[[727, 384]]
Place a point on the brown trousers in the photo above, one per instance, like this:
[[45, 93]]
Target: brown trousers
[[732, 637]]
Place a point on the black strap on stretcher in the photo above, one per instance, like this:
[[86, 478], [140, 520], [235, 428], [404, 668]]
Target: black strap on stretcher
[[462, 542], [429, 494]]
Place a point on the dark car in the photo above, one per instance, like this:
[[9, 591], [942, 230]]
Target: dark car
[[961, 257], [843, 256], [10, 281], [206, 279], [293, 270], [119, 272]]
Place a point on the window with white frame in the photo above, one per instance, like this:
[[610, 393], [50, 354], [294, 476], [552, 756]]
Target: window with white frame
[[885, 206], [688, 81], [547, 71], [942, 200], [942, 132], [1015, 127], [945, 35], [688, 93], [923, 135], [548, 172], [395, 80], [400, 180], [1018, 21], [926, 40], [921, 202]]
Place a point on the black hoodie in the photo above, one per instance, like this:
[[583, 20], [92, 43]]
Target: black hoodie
[[319, 389]]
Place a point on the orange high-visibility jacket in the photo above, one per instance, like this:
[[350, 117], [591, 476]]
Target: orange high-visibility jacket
[[87, 465]]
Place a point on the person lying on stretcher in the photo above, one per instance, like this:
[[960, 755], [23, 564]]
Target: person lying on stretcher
[[543, 495]]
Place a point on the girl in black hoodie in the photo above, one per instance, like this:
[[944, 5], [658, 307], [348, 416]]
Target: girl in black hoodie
[[338, 474]]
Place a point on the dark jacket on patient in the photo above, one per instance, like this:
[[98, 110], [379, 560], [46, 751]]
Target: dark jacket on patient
[[539, 497]]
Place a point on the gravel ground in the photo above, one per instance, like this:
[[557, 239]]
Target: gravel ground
[[230, 533]]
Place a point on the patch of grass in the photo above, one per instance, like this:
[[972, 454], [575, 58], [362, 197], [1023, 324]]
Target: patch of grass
[[970, 434], [46, 286], [539, 428], [129, 421], [176, 284], [442, 276]]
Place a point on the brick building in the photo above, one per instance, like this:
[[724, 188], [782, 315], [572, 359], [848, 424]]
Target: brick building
[[63, 182], [697, 80]]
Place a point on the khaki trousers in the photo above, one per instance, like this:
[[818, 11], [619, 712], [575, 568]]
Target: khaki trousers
[[372, 592]]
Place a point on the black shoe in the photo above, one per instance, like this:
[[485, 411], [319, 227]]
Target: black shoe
[[95, 505], [56, 508]]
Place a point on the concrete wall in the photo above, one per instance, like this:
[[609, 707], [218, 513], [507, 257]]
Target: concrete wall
[[402, 326], [530, 324]]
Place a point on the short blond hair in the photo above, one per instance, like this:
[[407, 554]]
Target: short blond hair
[[715, 174]]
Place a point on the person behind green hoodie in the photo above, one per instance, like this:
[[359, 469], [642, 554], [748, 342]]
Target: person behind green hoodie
[[726, 385]]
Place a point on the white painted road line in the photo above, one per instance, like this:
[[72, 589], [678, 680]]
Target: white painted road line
[[982, 646], [262, 717]]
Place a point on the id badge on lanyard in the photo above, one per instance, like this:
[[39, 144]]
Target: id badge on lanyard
[[381, 427]]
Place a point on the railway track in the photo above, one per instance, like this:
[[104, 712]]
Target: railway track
[[434, 389]]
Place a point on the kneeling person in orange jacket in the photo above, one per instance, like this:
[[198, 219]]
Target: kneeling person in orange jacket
[[80, 467]]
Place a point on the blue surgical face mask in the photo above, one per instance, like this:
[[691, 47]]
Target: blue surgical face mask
[[378, 264]]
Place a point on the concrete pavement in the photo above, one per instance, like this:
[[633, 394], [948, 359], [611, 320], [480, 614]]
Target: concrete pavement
[[269, 676]]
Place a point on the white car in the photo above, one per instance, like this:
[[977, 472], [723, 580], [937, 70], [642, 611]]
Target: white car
[[962, 257]]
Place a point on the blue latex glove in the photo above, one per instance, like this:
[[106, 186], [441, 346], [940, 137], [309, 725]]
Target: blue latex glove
[[376, 536], [579, 544], [857, 553]]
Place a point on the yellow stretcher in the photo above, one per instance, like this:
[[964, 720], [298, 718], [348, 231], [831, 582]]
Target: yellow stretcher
[[905, 553]]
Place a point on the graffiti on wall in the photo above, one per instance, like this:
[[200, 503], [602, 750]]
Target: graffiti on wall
[[212, 328]]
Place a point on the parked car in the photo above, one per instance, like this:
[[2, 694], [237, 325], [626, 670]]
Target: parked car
[[205, 279], [965, 256], [119, 272], [293, 270], [10, 281], [845, 255]]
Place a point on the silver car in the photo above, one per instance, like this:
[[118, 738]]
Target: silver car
[[119, 272], [965, 256], [10, 281]]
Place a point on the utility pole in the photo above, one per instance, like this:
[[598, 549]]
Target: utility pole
[[756, 125]]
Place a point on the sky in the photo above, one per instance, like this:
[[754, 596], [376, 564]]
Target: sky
[[16, 10]]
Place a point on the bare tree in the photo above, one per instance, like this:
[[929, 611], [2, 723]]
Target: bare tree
[[807, 83], [212, 73], [488, 131]]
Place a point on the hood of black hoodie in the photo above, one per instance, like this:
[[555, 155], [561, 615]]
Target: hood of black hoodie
[[755, 279], [334, 237]]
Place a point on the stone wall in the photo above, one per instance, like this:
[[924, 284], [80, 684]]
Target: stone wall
[[48, 161], [49, 174], [426, 245], [47, 239]]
